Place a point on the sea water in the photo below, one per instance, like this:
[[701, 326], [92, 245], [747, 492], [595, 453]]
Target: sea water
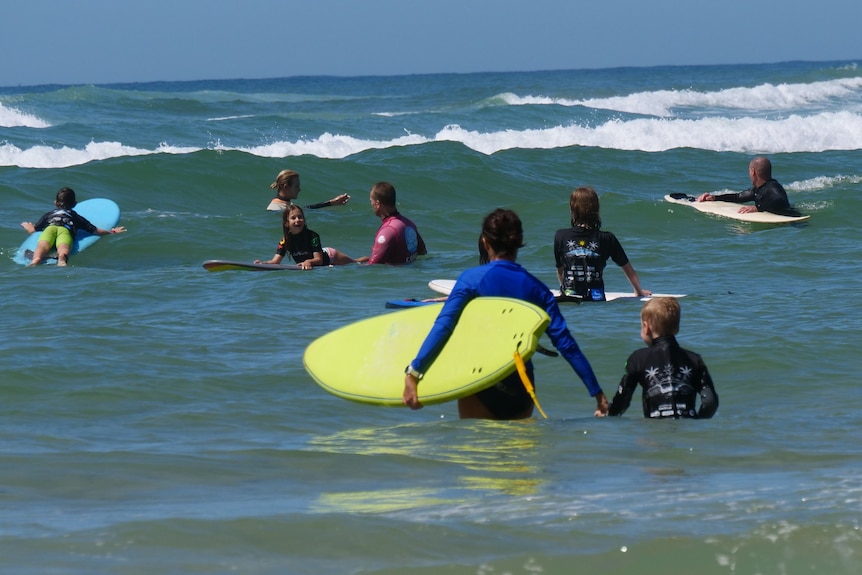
[[156, 417]]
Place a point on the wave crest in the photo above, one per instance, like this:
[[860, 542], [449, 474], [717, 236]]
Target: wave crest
[[14, 118]]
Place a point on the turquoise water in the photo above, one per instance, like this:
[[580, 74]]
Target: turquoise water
[[156, 418]]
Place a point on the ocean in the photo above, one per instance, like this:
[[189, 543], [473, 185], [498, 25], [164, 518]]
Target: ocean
[[156, 417]]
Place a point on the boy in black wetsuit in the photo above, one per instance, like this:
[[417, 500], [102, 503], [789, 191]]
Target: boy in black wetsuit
[[672, 377]]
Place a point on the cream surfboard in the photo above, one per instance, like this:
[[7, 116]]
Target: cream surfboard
[[445, 286], [731, 210], [365, 361]]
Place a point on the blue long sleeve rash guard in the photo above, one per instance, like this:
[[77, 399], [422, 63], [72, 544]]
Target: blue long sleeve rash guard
[[503, 278]]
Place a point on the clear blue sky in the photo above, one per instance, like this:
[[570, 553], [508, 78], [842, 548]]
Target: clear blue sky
[[104, 41]]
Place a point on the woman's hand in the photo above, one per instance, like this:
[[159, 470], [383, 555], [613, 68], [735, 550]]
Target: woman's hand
[[411, 393], [601, 405]]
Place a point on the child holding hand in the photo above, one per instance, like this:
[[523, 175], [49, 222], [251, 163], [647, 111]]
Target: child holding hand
[[672, 378]]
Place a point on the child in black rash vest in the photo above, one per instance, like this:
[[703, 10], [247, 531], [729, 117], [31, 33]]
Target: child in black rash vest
[[672, 377], [59, 227], [303, 245]]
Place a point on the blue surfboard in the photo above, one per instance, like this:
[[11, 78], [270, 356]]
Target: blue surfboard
[[101, 212]]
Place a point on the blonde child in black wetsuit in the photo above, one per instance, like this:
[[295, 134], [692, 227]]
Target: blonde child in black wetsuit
[[672, 377], [304, 245]]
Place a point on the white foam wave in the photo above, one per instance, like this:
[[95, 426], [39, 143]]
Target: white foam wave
[[226, 118], [48, 157], [13, 118], [821, 132], [662, 103], [331, 146], [822, 183], [817, 133]]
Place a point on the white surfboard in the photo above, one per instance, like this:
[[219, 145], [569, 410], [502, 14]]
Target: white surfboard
[[445, 287], [731, 210], [616, 295], [228, 265]]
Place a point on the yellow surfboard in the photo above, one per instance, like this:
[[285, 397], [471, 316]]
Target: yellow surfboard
[[365, 361]]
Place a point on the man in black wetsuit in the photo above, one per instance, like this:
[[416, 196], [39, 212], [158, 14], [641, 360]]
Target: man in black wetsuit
[[672, 377], [768, 195]]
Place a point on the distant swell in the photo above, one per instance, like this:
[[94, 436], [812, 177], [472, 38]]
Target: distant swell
[[665, 103]]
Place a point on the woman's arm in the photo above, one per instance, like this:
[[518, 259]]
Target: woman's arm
[[339, 200]]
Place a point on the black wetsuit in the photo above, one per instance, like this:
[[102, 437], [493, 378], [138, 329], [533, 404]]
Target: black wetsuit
[[770, 197], [671, 377], [583, 253], [302, 246]]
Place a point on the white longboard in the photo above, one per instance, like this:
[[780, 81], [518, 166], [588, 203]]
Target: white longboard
[[444, 287], [731, 210]]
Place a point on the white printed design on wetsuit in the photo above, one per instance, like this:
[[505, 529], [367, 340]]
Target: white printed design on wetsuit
[[581, 249], [664, 384], [60, 218]]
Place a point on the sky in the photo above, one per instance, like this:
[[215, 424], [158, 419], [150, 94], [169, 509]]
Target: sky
[[119, 41]]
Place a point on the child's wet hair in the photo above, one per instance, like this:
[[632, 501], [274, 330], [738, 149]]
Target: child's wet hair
[[584, 206], [503, 231], [66, 199]]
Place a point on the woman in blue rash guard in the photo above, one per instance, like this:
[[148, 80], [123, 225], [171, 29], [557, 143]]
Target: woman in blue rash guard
[[502, 237]]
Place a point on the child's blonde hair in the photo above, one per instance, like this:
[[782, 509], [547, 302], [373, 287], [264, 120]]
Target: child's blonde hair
[[662, 315]]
